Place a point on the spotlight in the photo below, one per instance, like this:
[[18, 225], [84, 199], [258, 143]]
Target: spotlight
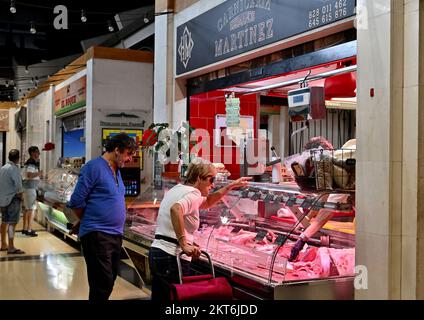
[[12, 6], [7, 84], [26, 70], [146, 18], [32, 29], [83, 16], [110, 26]]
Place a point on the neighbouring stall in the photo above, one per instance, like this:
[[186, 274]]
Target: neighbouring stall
[[109, 91]]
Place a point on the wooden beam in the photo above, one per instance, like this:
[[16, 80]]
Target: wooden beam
[[119, 54], [7, 105]]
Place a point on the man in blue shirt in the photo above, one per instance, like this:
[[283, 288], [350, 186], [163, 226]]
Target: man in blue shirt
[[10, 201], [99, 202]]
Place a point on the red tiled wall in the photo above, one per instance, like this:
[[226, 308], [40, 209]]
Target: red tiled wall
[[204, 107]]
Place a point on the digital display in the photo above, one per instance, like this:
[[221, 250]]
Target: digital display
[[74, 144], [298, 99]]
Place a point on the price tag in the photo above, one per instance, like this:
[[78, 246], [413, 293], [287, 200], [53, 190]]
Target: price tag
[[306, 204], [351, 162], [280, 239], [269, 198], [291, 201], [260, 235], [318, 206], [245, 194], [256, 196]]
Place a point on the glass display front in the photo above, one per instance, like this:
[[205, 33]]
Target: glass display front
[[251, 232]]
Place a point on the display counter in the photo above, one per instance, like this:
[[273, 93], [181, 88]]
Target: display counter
[[53, 194], [249, 236]]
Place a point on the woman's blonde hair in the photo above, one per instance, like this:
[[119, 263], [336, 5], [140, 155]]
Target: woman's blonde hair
[[198, 168]]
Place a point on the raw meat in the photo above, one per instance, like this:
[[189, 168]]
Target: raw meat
[[344, 260]]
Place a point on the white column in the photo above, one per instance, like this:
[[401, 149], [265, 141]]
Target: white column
[[390, 174], [89, 125], [284, 132], [162, 69], [274, 133]]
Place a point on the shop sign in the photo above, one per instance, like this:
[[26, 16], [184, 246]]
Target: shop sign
[[4, 120], [71, 97], [122, 124], [238, 26]]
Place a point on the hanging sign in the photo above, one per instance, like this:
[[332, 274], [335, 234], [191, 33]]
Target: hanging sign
[[70, 97], [4, 120], [238, 26], [232, 109]]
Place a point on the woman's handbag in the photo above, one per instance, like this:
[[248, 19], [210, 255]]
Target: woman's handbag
[[201, 287]]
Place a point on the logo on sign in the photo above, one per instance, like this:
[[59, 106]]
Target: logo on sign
[[185, 47]]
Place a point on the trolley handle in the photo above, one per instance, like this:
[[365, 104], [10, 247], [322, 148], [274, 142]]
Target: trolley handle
[[180, 272]]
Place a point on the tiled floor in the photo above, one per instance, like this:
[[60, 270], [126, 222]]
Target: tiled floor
[[51, 269]]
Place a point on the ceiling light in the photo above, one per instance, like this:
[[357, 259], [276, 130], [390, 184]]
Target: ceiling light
[[32, 29], [146, 18], [83, 16], [12, 6], [110, 26]]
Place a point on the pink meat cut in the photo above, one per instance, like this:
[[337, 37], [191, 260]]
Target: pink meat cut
[[328, 262], [243, 237]]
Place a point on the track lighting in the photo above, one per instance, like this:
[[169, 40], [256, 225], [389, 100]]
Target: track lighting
[[83, 16], [146, 18], [110, 26], [32, 29], [12, 6]]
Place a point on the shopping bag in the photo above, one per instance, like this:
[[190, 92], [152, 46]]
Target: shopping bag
[[201, 287]]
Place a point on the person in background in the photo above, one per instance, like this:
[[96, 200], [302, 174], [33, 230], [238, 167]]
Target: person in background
[[99, 202], [10, 201], [31, 178], [178, 219], [318, 218]]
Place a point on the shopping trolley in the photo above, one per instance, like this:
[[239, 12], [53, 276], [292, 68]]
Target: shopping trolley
[[201, 287]]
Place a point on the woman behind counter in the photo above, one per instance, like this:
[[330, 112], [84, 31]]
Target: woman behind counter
[[178, 219]]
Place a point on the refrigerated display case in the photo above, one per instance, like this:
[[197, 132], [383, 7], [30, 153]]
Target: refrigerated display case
[[249, 236], [53, 194]]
